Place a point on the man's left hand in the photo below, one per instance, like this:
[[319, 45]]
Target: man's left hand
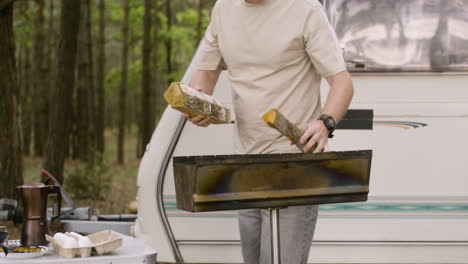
[[316, 133]]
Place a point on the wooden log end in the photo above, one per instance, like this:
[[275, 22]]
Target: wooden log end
[[192, 102], [174, 95], [270, 117]]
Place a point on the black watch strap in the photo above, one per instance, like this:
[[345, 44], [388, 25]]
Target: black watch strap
[[329, 123]]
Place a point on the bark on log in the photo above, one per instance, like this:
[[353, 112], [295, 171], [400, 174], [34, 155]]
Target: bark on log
[[276, 120], [190, 101]]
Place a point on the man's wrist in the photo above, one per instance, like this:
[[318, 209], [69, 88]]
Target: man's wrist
[[329, 123]]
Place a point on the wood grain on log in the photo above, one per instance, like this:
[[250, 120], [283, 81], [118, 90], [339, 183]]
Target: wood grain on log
[[190, 101], [276, 120]]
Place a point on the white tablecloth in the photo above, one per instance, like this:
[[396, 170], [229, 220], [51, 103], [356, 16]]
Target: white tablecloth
[[132, 251]]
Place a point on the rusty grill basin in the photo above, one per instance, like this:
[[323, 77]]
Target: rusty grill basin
[[230, 182]]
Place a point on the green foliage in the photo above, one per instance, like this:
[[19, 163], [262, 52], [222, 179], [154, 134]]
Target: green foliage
[[182, 35], [116, 15], [134, 74], [24, 24], [116, 12], [89, 182], [84, 181], [113, 78], [135, 20]]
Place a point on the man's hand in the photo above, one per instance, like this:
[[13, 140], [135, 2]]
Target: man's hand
[[336, 105], [199, 120], [203, 81], [315, 134]]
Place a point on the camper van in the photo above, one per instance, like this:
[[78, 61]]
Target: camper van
[[409, 65]]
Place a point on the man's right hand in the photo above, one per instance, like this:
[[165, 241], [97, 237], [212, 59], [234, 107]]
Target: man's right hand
[[207, 80], [199, 120]]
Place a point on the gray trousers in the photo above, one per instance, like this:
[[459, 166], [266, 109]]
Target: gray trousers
[[297, 225]]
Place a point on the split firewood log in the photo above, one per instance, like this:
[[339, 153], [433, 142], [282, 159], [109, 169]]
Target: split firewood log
[[276, 120], [188, 100]]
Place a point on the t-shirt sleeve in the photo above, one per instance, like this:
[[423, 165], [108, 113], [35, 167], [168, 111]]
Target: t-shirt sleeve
[[211, 58], [321, 44]]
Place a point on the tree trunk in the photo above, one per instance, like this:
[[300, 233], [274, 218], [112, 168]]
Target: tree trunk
[[199, 23], [40, 94], [160, 84], [82, 109], [72, 139], [85, 91], [10, 151], [147, 115], [51, 36], [101, 61], [24, 82], [26, 101], [51, 40], [91, 90], [123, 86], [168, 43], [59, 124]]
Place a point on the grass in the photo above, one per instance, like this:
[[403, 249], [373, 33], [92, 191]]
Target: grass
[[122, 186]]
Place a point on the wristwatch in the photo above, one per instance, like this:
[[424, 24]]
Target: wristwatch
[[329, 123]]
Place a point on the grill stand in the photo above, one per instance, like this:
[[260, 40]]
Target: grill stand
[[232, 182], [275, 236]]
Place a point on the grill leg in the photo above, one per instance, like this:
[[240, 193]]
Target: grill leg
[[275, 236]]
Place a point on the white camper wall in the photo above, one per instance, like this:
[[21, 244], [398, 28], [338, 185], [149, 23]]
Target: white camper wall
[[418, 205]]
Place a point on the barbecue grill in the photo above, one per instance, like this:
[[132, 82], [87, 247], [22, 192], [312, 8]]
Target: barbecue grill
[[271, 181]]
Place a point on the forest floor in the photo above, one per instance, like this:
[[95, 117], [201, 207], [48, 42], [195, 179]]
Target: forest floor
[[119, 180]]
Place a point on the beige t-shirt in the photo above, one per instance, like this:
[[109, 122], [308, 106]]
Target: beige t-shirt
[[275, 53]]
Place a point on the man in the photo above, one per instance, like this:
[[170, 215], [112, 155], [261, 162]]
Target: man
[[276, 52]]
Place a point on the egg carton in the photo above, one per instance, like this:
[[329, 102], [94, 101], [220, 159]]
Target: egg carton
[[102, 242]]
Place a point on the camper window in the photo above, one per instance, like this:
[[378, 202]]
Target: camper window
[[401, 35]]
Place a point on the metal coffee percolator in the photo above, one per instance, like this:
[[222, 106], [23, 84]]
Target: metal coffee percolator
[[35, 225]]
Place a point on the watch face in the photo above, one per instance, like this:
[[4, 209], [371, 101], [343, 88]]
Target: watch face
[[330, 122]]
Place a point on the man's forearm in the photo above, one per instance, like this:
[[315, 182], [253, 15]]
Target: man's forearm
[[205, 81], [340, 95]]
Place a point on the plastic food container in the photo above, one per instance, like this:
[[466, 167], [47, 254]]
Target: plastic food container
[[102, 242], [65, 252], [106, 241]]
